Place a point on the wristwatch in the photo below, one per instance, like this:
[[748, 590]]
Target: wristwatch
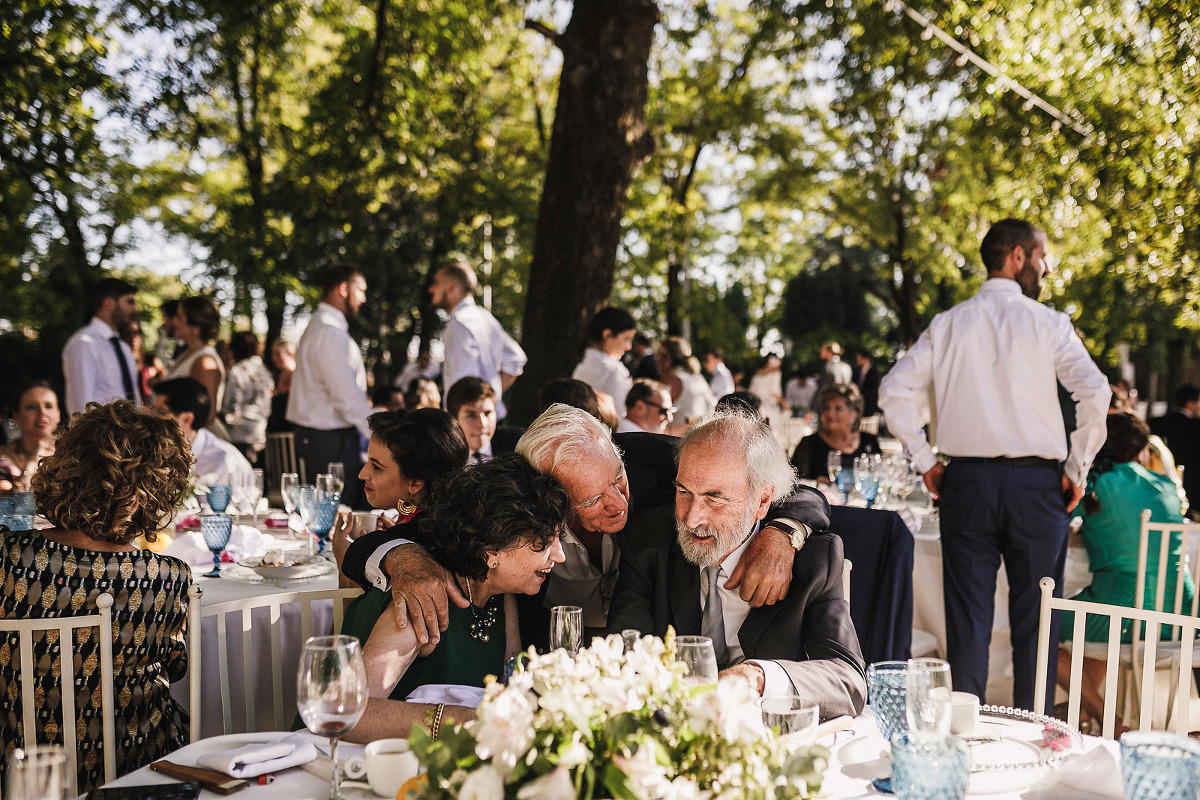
[[797, 531]]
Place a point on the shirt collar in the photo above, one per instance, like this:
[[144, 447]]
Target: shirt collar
[[102, 327], [469, 300], [731, 561], [332, 316], [1000, 284]]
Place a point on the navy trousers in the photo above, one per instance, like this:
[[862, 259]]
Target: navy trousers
[[990, 510], [318, 448]]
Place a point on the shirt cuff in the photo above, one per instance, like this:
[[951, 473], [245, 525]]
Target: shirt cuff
[[776, 683], [373, 569]]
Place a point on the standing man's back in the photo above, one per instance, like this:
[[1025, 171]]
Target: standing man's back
[[1180, 430], [995, 362], [475, 344], [97, 364], [327, 404]]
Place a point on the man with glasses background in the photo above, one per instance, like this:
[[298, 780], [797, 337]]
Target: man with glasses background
[[648, 408], [605, 482]]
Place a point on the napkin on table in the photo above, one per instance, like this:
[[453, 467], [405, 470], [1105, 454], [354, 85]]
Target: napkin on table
[[259, 759], [448, 693], [244, 541], [1096, 771]]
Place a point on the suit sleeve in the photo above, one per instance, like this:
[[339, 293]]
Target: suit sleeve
[[830, 669], [806, 505], [632, 605]]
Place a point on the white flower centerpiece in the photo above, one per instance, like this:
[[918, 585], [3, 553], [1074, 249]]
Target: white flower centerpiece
[[608, 723]]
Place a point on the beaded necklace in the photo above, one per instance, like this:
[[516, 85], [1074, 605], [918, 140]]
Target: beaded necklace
[[482, 621]]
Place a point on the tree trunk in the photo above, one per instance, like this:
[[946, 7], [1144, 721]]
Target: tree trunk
[[599, 138]]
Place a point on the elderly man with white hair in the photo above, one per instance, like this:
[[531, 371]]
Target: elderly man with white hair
[[607, 478], [674, 564]]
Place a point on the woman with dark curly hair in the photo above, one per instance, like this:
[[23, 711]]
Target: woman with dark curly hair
[[117, 473], [495, 527]]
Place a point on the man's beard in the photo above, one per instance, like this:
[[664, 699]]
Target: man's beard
[[719, 544], [1028, 280]]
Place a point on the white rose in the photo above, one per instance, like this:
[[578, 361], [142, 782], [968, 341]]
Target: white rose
[[555, 785], [504, 728], [484, 783]]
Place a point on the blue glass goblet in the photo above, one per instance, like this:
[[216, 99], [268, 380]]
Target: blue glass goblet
[[216, 529], [845, 482], [322, 522], [1156, 765], [926, 768], [218, 498]]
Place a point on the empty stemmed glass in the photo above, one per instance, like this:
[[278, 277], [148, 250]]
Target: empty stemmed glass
[[701, 659], [216, 530], [337, 475], [927, 701], [833, 465], [36, 773], [331, 692], [253, 489]]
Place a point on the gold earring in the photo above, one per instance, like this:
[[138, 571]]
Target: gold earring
[[406, 507], [493, 566]]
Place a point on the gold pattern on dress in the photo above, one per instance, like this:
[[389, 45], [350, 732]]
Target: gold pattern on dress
[[41, 560], [90, 663], [20, 590], [78, 599], [126, 569], [70, 565], [152, 570], [99, 568], [135, 599]]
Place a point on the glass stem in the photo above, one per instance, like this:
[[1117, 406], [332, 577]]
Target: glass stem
[[216, 561], [335, 776]]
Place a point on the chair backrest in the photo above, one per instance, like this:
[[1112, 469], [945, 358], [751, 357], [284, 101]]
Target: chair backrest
[[1115, 615], [241, 612], [1158, 534], [65, 628], [281, 458]]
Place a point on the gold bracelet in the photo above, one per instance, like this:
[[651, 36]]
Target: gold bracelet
[[436, 729]]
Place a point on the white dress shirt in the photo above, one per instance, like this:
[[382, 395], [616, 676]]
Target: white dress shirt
[[734, 611], [91, 368], [995, 362], [626, 425], [477, 347], [604, 374], [218, 463], [329, 386], [721, 381]]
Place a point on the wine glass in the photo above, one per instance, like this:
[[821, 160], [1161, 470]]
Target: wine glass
[[36, 773], [216, 530], [866, 477], [701, 660], [331, 692], [219, 496], [253, 488], [927, 701], [566, 628], [324, 482], [845, 480], [337, 472], [306, 507], [833, 465], [287, 482]]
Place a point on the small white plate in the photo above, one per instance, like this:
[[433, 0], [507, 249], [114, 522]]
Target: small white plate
[[295, 566]]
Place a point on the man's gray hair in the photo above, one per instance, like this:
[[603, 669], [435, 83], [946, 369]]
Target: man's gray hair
[[560, 434], [767, 464]]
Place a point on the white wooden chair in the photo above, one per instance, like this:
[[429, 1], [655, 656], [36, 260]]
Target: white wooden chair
[[65, 627], [238, 613], [1115, 614], [280, 457]]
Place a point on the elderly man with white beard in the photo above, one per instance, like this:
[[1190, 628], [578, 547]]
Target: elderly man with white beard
[[673, 571]]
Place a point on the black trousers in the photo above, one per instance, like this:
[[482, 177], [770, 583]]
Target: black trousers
[[991, 511], [316, 449]]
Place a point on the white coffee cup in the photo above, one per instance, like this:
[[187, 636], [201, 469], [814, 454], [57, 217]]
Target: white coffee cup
[[388, 763], [964, 713], [366, 520]]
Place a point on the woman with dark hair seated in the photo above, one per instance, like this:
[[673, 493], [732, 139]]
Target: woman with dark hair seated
[[495, 527], [117, 473], [1119, 488]]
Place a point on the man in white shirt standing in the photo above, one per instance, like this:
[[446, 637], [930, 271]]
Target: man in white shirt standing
[[475, 344], [995, 362], [218, 463], [328, 405], [97, 364], [720, 379]]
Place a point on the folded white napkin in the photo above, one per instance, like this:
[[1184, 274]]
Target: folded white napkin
[[913, 521], [244, 541], [1096, 771], [259, 759], [449, 693]]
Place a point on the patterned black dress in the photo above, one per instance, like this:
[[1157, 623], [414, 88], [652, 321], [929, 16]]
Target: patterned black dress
[[43, 579]]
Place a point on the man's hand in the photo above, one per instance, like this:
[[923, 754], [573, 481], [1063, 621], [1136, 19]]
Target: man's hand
[[751, 672], [420, 590], [933, 478], [765, 571], [1072, 494]]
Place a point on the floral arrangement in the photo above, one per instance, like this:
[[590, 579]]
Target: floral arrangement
[[608, 723]]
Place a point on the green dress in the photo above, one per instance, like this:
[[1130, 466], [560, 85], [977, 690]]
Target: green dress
[[1111, 534], [459, 658]]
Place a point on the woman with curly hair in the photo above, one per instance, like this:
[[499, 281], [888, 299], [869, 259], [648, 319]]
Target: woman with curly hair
[[117, 473], [495, 527]]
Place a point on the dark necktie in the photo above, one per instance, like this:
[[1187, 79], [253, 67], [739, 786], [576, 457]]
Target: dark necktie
[[126, 378], [712, 620]]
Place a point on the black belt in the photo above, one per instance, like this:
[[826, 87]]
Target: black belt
[[1023, 461]]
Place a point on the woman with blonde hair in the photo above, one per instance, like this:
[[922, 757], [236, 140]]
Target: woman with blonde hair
[[680, 371], [117, 473]]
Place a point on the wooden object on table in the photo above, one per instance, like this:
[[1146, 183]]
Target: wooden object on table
[[208, 779]]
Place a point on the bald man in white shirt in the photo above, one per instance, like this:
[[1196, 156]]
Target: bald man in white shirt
[[995, 362]]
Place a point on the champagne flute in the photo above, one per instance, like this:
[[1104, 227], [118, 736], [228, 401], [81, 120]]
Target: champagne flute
[[337, 472], [331, 692], [287, 482], [701, 660], [255, 484], [566, 628], [37, 773], [927, 701], [306, 506]]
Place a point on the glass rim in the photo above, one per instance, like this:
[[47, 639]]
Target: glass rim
[[1153, 740], [693, 639], [887, 666], [330, 642], [929, 664], [567, 609]]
